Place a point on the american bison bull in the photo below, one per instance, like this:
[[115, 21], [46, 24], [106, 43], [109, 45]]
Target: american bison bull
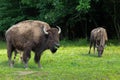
[[31, 35], [98, 38]]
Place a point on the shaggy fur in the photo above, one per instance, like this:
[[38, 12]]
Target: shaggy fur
[[97, 39], [29, 36]]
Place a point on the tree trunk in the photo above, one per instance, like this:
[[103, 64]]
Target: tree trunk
[[115, 21]]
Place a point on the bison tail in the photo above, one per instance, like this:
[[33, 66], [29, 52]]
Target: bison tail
[[106, 37]]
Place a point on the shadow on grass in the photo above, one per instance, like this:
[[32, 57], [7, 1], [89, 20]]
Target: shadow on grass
[[17, 65], [90, 55]]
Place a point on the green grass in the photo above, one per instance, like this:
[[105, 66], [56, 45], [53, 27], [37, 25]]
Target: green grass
[[70, 62]]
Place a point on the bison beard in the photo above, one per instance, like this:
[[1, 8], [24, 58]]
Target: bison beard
[[31, 35]]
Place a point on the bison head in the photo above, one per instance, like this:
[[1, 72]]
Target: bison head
[[100, 50], [53, 38]]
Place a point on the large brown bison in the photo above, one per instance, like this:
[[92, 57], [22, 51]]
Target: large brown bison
[[98, 38], [31, 35]]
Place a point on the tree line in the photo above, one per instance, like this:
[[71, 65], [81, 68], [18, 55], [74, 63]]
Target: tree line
[[75, 17]]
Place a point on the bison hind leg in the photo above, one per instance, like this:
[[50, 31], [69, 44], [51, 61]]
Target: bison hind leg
[[94, 47], [36, 58], [91, 43], [10, 49]]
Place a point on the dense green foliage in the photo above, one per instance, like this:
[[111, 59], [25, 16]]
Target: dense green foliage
[[70, 62], [75, 17]]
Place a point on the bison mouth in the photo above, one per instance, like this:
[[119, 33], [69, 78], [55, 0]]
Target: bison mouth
[[54, 49], [100, 53]]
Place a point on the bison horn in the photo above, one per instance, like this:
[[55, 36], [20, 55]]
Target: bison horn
[[45, 31], [59, 29]]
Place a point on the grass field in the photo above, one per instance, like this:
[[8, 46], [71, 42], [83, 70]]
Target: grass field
[[70, 62]]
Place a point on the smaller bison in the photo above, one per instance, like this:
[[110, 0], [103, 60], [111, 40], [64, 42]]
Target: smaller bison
[[98, 38], [31, 35]]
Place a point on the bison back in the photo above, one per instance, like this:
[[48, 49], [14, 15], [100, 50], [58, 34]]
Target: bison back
[[26, 32]]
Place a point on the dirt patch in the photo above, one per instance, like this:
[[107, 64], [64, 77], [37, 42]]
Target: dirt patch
[[25, 72]]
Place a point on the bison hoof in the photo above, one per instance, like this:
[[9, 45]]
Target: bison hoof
[[13, 62], [25, 65], [27, 68], [11, 65], [99, 56], [40, 66]]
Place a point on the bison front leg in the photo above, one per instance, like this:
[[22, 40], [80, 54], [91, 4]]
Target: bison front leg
[[26, 57], [39, 65], [37, 59]]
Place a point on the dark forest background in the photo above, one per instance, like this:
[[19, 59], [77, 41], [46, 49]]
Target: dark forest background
[[75, 17]]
